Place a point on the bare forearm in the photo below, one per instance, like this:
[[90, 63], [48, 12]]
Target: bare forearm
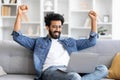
[[93, 17], [17, 25], [94, 25]]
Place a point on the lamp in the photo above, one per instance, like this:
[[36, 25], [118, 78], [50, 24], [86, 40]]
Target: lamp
[[48, 5]]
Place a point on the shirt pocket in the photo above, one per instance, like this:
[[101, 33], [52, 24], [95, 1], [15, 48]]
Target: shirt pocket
[[42, 46]]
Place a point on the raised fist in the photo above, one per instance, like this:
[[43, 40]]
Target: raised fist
[[92, 15], [22, 9]]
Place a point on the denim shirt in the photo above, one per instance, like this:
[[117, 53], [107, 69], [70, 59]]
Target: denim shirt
[[40, 46]]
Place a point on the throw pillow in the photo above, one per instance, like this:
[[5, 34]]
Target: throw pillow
[[114, 70], [2, 72]]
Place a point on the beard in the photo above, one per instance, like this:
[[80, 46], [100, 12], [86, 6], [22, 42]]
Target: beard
[[55, 34]]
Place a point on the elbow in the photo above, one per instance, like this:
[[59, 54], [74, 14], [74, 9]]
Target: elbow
[[93, 43], [15, 35], [14, 38]]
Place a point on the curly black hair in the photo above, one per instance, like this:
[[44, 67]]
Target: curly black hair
[[53, 16]]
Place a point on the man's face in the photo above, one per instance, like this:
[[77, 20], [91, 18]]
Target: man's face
[[55, 29]]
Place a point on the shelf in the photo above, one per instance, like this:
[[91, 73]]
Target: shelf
[[80, 27], [105, 36], [80, 11], [79, 33], [103, 23], [6, 27], [8, 17], [31, 22], [10, 4], [49, 11]]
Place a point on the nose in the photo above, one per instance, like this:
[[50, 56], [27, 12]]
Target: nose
[[57, 28]]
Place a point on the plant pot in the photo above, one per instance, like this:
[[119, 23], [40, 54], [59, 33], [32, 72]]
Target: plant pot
[[102, 33]]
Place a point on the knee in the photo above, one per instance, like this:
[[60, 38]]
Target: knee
[[102, 69], [74, 76]]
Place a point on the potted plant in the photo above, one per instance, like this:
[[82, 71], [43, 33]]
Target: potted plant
[[101, 30]]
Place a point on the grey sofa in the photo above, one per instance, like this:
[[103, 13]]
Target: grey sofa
[[18, 63]]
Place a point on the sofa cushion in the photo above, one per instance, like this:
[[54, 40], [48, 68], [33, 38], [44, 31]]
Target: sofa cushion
[[114, 70], [2, 72], [15, 58], [17, 77]]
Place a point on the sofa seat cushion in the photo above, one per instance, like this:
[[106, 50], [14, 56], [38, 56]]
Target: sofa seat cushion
[[24, 77], [17, 77]]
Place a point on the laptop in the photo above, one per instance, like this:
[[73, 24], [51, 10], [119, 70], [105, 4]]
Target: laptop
[[82, 63]]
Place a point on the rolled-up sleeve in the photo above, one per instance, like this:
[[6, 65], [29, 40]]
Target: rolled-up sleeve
[[14, 33], [23, 40]]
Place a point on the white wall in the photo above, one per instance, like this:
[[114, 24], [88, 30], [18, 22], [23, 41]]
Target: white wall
[[116, 19], [0, 29]]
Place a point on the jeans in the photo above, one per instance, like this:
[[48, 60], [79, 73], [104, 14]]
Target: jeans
[[53, 73]]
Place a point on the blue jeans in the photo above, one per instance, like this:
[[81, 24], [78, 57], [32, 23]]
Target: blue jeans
[[53, 73]]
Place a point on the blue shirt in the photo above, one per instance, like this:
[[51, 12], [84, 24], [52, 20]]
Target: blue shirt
[[40, 46]]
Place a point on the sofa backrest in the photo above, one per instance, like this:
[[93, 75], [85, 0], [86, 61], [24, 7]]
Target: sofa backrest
[[106, 50], [15, 58]]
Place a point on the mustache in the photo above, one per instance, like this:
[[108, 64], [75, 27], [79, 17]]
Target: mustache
[[57, 32]]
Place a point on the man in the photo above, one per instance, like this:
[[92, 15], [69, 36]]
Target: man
[[52, 52]]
